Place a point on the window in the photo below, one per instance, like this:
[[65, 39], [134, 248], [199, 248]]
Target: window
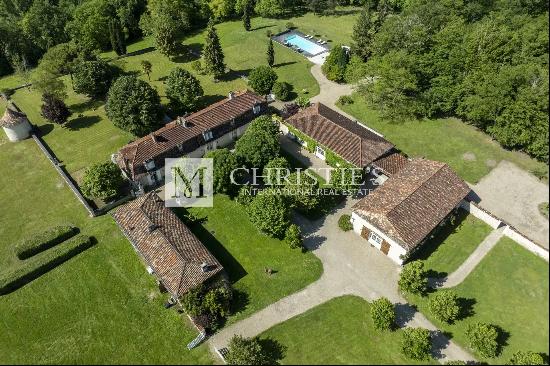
[[207, 135], [256, 109], [319, 152], [375, 239], [150, 164]]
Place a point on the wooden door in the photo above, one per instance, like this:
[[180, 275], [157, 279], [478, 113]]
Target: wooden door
[[385, 248]]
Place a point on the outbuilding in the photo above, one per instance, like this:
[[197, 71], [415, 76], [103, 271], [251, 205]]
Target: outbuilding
[[15, 124]]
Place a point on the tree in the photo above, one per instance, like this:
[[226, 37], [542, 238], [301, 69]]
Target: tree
[[344, 223], [147, 68], [416, 343], [44, 23], [225, 162], [526, 358], [293, 236], [116, 35], [264, 123], [54, 109], [183, 90], [213, 54], [444, 306], [133, 105], [270, 213], [346, 177], [413, 278], [102, 180], [247, 351], [483, 338], [59, 60], [270, 8], [262, 79], [89, 28], [364, 30], [47, 83], [257, 148], [383, 314], [222, 9], [270, 53], [282, 90], [275, 170], [335, 65], [92, 78], [246, 16], [302, 191]]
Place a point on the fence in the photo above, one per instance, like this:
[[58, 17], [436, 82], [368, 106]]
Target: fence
[[509, 230]]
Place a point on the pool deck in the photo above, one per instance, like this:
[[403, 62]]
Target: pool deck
[[318, 58]]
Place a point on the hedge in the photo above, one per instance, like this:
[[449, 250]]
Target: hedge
[[44, 240], [38, 265]]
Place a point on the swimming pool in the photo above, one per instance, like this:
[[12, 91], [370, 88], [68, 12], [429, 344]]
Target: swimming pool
[[305, 44]]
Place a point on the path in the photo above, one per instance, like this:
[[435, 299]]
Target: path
[[351, 267], [330, 91], [456, 278], [514, 195]]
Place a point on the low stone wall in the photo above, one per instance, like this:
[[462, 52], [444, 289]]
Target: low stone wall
[[481, 214], [509, 231], [525, 242]]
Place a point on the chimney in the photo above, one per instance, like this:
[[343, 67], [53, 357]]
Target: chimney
[[154, 137], [231, 95], [204, 267], [182, 121]]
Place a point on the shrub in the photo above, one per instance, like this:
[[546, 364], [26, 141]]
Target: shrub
[[44, 240], [197, 67], [302, 101], [245, 197], [262, 79], [102, 180], [293, 236], [302, 189], [289, 25], [345, 100], [413, 278], [344, 223], [247, 351], [211, 303], [42, 263], [264, 124], [54, 109], [92, 78], [282, 90], [183, 90], [526, 358], [416, 343], [270, 213], [275, 171], [133, 105], [444, 306], [383, 314], [483, 339]]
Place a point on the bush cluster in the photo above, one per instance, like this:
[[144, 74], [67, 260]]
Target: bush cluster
[[46, 239], [344, 223]]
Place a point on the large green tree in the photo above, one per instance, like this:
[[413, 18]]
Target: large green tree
[[102, 180], [416, 343], [92, 78], [225, 162], [336, 63], [248, 351], [133, 105], [213, 56], [44, 23], [262, 79], [183, 89], [257, 148], [270, 213]]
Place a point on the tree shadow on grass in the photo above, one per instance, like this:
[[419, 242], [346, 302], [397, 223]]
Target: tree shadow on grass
[[90, 104], [232, 75], [45, 129], [240, 301], [440, 341], [466, 308], [502, 338], [82, 122], [275, 351], [283, 64], [262, 27], [211, 99]]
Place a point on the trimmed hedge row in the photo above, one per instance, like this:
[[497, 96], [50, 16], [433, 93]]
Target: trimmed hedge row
[[44, 240], [38, 265]]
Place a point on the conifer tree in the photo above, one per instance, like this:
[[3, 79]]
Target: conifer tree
[[213, 53], [270, 53], [246, 17]]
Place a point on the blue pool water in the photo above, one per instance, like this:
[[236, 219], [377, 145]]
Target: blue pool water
[[310, 47]]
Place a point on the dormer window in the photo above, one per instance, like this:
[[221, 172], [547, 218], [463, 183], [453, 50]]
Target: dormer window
[[257, 109], [232, 123], [207, 135], [150, 164]]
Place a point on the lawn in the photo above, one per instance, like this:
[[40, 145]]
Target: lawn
[[466, 149], [509, 289], [245, 253], [453, 244], [99, 307], [337, 332]]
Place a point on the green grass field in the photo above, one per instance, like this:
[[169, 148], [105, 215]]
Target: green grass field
[[509, 289], [245, 253], [338, 332], [99, 307], [448, 140], [453, 244]]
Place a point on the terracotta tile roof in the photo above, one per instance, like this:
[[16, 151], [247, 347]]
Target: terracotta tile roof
[[352, 141], [392, 163], [166, 244], [410, 204], [176, 139], [12, 118]]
